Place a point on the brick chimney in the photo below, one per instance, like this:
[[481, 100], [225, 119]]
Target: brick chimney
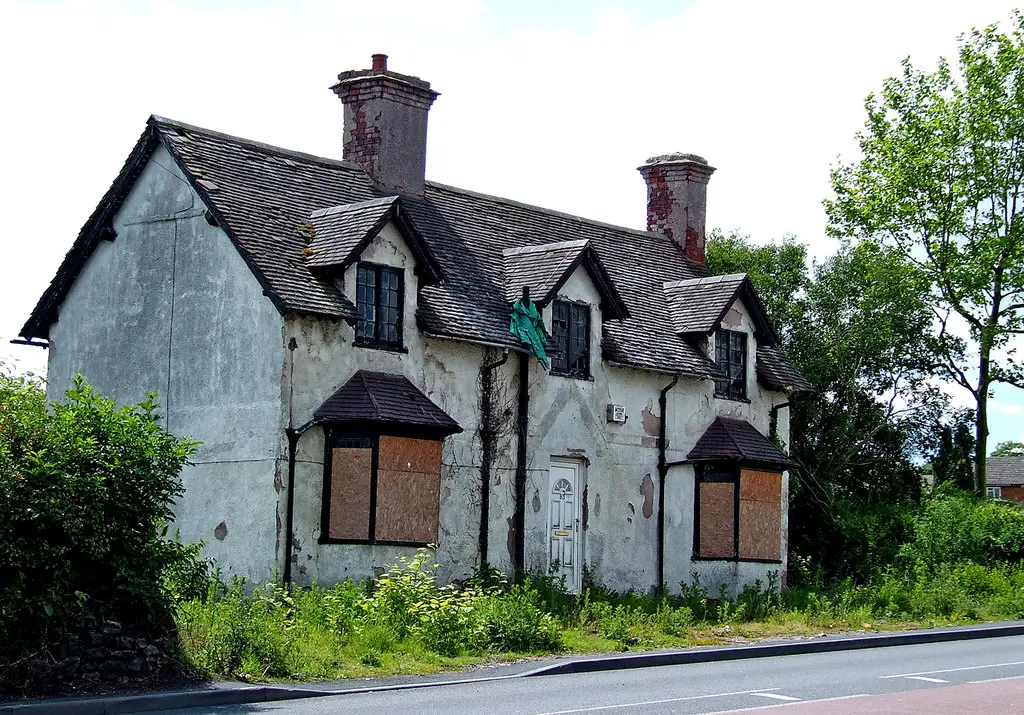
[[386, 125], [677, 198]]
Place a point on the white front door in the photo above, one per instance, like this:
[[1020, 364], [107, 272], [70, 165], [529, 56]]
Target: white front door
[[564, 522]]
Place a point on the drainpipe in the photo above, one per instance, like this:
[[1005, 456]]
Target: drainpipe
[[522, 423], [662, 474], [487, 435]]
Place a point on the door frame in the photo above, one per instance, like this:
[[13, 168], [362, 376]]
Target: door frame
[[574, 585]]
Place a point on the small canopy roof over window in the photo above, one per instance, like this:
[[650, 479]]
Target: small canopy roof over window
[[733, 440], [547, 267], [381, 399]]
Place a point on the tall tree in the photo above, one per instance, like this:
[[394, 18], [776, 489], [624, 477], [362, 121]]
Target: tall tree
[[941, 181], [1008, 448]]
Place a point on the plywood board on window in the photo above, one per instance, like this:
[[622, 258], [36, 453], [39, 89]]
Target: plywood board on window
[[756, 485], [407, 506], [717, 520], [350, 493], [760, 515], [404, 454]]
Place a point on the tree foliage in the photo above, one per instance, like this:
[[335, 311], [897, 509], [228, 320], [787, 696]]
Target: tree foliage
[[85, 493], [941, 183], [1008, 448], [857, 328]]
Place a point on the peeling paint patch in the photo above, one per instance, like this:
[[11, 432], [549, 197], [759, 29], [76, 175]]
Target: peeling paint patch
[[278, 479], [597, 504], [631, 510], [650, 421], [220, 531], [536, 501], [647, 490], [277, 538], [733, 318], [650, 442], [586, 508]]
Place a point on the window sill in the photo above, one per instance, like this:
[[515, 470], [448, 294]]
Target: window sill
[[744, 400], [735, 560], [386, 348], [571, 376], [370, 542]]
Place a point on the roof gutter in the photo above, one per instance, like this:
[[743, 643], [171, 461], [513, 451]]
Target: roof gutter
[[473, 341], [663, 467], [30, 342]]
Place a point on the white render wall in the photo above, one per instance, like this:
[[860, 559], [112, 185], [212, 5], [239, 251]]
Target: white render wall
[[170, 307], [203, 335]]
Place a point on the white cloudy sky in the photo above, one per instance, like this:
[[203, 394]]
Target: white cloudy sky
[[553, 103]]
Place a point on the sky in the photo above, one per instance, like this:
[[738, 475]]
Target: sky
[[550, 103]]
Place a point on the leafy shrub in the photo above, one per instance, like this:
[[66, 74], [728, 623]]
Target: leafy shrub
[[85, 492], [514, 621]]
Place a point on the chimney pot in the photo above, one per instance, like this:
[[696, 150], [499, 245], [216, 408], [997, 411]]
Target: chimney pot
[[677, 199], [380, 63]]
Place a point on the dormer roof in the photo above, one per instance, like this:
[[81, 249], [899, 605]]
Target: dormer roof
[[698, 305], [546, 268]]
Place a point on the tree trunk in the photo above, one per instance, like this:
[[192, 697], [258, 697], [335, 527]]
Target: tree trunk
[[981, 423]]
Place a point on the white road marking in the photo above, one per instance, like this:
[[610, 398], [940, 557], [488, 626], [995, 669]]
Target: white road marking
[[656, 702], [775, 696], [786, 705], [953, 670], [926, 679]]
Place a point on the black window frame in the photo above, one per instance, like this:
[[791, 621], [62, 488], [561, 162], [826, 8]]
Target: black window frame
[[375, 338], [570, 354], [723, 472], [365, 437], [732, 352]]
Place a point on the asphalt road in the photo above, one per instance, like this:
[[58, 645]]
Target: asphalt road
[[979, 676]]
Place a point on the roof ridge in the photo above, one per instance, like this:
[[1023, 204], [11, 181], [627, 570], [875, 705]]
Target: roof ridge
[[162, 121], [555, 212], [703, 280]]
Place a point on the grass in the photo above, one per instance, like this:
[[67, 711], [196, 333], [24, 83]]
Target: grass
[[406, 624]]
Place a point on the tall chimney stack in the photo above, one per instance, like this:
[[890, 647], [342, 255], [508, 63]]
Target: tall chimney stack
[[677, 198], [386, 125]]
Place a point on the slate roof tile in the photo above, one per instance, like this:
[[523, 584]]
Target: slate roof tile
[[1005, 471], [381, 397], [338, 232], [265, 197], [738, 440], [696, 305], [775, 372]]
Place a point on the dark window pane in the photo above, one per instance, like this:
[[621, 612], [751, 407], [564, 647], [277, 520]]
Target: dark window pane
[[560, 336], [378, 305], [731, 360], [366, 303]]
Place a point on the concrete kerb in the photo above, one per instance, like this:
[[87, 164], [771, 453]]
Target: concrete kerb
[[261, 694]]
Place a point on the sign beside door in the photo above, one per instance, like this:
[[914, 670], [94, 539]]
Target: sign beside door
[[564, 509]]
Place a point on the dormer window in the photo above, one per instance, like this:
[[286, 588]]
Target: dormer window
[[570, 332], [731, 359], [379, 297]]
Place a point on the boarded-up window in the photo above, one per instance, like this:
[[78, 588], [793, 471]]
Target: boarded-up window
[[392, 496], [717, 517], [739, 514], [350, 487], [408, 490], [760, 515]]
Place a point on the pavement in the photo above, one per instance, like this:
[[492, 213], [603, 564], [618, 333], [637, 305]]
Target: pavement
[[529, 675]]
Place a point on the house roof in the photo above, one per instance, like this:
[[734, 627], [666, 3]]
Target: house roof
[[547, 267], [1004, 471], [737, 440], [264, 197], [698, 305], [381, 397], [775, 372]]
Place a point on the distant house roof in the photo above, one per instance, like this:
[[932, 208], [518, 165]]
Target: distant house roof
[[384, 398], [729, 439], [1004, 471], [264, 197]]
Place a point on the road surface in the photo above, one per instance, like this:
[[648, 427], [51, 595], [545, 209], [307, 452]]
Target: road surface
[[977, 676]]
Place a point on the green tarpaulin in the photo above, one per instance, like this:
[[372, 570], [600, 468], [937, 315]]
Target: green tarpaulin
[[528, 325]]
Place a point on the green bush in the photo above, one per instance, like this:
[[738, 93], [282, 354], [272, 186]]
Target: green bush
[[85, 492], [514, 621]]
